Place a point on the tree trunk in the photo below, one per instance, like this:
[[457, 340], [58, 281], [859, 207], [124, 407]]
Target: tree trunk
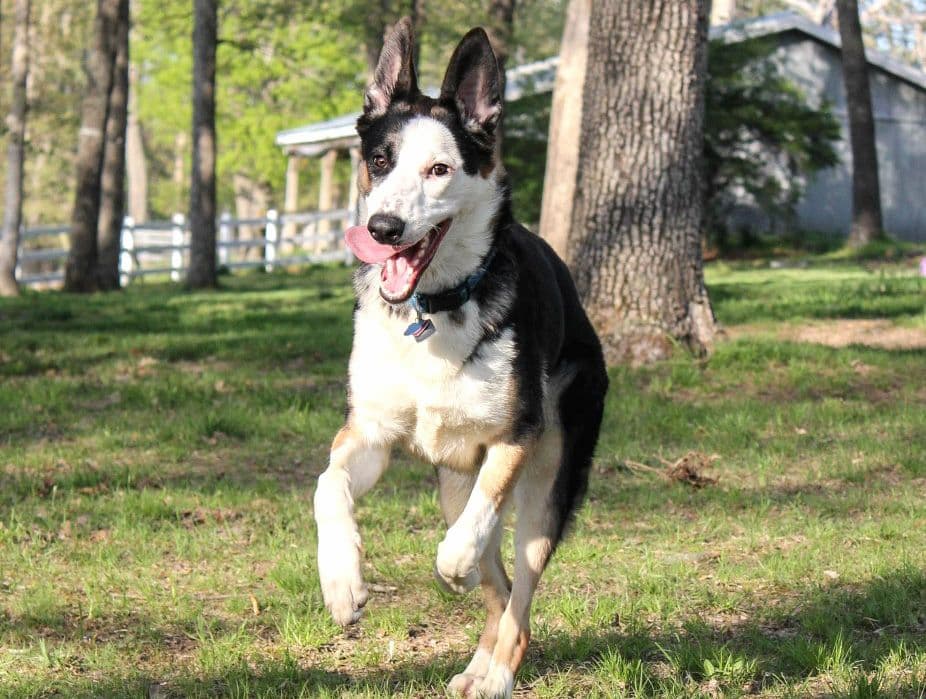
[[202, 272], [136, 163], [16, 124], [559, 180], [80, 273], [634, 241], [501, 29], [866, 190], [112, 200]]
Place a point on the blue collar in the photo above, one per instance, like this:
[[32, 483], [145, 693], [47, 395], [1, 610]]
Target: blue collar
[[452, 299]]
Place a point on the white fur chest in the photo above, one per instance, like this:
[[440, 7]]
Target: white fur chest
[[425, 393]]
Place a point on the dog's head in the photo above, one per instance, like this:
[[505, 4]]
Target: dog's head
[[428, 173]]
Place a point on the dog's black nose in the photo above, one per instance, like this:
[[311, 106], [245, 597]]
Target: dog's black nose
[[386, 228]]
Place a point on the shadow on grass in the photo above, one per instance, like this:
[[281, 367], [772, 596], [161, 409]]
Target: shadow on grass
[[825, 633]]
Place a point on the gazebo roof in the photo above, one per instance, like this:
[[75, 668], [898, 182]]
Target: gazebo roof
[[539, 77]]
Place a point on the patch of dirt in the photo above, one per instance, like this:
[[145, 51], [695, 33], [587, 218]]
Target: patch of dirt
[[877, 332], [689, 469]]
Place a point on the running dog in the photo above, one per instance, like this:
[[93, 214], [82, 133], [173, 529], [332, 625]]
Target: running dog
[[470, 349]]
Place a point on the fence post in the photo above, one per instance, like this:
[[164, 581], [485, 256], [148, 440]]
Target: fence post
[[272, 236], [176, 252], [224, 237], [18, 270], [126, 255]]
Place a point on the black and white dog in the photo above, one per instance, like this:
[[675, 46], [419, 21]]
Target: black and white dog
[[470, 348]]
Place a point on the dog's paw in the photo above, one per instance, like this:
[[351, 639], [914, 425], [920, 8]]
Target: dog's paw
[[343, 589], [456, 565], [497, 684], [463, 685]]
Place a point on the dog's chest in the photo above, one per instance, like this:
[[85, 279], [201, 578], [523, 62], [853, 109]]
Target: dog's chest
[[428, 394]]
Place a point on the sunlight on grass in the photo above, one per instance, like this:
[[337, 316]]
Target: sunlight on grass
[[158, 451]]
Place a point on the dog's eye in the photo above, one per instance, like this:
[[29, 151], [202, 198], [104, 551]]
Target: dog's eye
[[439, 170], [380, 162]]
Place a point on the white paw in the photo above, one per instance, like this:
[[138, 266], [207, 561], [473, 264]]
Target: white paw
[[463, 685], [457, 561], [497, 684], [342, 583]]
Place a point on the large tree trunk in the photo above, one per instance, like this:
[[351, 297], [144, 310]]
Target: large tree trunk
[[112, 201], [135, 161], [866, 189], [16, 124], [80, 273], [634, 232], [202, 272]]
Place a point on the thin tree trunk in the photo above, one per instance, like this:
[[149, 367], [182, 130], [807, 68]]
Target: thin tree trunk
[[866, 189], [112, 200], [136, 163], [80, 273], [202, 272], [559, 181], [635, 242], [16, 124], [722, 12], [501, 30]]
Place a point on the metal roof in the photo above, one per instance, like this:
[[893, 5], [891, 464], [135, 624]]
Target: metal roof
[[538, 77]]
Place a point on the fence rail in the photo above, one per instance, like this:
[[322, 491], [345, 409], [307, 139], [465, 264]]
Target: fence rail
[[162, 247]]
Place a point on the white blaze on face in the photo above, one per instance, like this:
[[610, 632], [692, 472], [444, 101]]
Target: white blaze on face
[[409, 191], [423, 200]]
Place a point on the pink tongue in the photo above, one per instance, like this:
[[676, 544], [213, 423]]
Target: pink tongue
[[361, 243]]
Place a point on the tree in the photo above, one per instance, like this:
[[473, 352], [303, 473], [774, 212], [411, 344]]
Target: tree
[[866, 189], [202, 272], [80, 272], [634, 231], [16, 126], [501, 31], [112, 195]]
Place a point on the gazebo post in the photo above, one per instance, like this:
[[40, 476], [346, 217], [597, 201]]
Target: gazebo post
[[291, 193], [353, 196], [325, 198]]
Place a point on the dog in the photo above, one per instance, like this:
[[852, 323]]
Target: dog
[[470, 348]]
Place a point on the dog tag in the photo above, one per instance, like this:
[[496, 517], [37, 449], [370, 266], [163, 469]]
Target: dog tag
[[421, 330]]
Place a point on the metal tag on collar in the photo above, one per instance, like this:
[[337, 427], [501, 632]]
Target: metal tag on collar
[[422, 328]]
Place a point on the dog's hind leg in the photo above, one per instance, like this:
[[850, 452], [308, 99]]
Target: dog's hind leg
[[536, 533], [355, 466], [455, 488]]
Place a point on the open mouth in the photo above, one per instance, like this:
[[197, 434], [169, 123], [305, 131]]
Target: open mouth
[[402, 267], [402, 271]]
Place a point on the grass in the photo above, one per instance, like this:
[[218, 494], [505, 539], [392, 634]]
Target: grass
[[158, 451]]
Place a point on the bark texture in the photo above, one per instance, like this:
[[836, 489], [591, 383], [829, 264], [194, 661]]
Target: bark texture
[[634, 247], [202, 271], [559, 181], [16, 125], [866, 188], [80, 272], [112, 195], [135, 160]]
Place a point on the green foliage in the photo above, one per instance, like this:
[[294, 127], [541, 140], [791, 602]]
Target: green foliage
[[278, 64], [762, 138]]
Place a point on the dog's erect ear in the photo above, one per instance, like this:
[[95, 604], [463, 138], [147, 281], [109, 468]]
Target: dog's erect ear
[[395, 73], [472, 82]]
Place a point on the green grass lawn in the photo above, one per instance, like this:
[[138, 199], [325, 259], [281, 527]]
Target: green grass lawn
[[158, 451]]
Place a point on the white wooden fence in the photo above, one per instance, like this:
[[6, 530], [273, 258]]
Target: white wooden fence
[[162, 247]]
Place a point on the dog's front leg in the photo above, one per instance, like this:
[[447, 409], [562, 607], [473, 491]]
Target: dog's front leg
[[354, 468], [459, 553]]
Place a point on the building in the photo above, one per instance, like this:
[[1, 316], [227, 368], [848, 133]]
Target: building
[[808, 55]]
